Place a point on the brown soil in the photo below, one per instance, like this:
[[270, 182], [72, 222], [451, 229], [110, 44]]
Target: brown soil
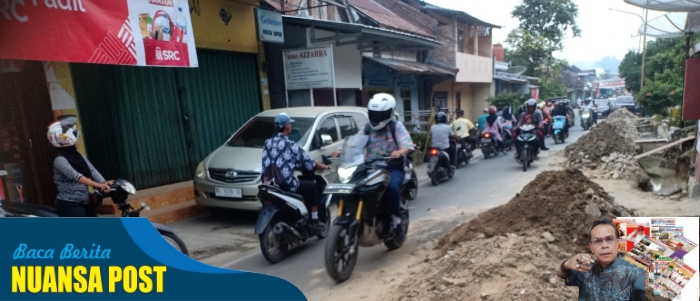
[[549, 203], [512, 251], [602, 140]]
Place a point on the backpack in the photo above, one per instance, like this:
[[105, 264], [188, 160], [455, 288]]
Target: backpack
[[394, 163], [272, 175]]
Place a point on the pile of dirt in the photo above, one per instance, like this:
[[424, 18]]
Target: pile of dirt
[[620, 166], [602, 140], [512, 251], [545, 208]]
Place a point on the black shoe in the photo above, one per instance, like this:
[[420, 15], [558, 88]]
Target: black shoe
[[316, 226], [544, 148]]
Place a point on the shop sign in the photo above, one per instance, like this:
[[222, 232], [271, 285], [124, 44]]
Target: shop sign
[[308, 68], [118, 32], [269, 25]]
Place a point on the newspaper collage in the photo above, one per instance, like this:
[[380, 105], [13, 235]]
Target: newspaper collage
[[658, 247]]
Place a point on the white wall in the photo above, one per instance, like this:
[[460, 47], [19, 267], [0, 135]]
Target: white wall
[[347, 61], [474, 69]]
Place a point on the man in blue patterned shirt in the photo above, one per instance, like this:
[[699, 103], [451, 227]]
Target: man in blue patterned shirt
[[610, 278], [288, 155]]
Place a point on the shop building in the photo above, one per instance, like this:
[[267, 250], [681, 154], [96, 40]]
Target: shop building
[[150, 125]]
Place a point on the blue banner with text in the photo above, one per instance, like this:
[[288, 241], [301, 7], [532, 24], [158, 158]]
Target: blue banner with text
[[115, 259]]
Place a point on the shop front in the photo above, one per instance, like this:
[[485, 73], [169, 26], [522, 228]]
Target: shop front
[[151, 102]]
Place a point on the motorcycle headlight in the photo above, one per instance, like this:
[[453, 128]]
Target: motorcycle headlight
[[199, 172], [344, 174], [586, 115]]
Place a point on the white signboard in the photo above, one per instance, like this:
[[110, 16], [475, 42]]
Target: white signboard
[[308, 68], [270, 27]]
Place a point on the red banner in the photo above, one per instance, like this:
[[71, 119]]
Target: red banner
[[691, 91], [121, 32]]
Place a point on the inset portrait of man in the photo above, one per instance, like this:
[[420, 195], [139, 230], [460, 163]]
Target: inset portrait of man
[[605, 275]]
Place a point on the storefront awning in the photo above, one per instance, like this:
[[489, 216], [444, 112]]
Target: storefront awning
[[510, 77], [364, 36], [408, 67]]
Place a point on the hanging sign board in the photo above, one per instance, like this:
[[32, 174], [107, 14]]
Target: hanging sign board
[[119, 32], [269, 24], [308, 68]]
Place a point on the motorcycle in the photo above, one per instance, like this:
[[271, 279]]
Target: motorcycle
[[586, 119], [528, 145], [462, 151], [439, 169], [508, 138], [364, 215], [284, 220], [487, 145], [119, 192], [558, 129]]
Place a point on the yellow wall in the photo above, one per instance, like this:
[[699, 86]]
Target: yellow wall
[[60, 84], [466, 95], [240, 35]]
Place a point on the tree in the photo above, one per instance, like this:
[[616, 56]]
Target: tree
[[544, 24]]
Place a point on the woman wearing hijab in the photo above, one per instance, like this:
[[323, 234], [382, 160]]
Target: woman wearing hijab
[[507, 118], [493, 126], [72, 172]]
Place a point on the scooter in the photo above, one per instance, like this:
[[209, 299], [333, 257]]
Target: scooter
[[558, 129], [364, 214], [119, 192], [284, 221], [439, 169], [586, 119], [528, 145], [487, 145], [508, 138]]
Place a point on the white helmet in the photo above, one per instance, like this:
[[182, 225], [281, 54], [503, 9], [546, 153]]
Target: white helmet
[[64, 132], [381, 108]]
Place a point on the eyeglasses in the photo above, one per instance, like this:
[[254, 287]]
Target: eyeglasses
[[599, 241]]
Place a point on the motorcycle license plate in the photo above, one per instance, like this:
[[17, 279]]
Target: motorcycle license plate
[[228, 192], [486, 140]]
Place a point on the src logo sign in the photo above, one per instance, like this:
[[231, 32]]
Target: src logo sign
[[167, 55]]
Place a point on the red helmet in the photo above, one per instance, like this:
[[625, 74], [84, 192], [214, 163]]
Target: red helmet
[[492, 110]]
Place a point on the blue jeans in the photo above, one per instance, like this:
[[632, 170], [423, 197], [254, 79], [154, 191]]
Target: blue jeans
[[394, 189]]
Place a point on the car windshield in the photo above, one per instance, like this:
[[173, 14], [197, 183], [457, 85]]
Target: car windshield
[[256, 131], [353, 150]]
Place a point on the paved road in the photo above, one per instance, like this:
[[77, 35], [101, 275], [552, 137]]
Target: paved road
[[484, 184]]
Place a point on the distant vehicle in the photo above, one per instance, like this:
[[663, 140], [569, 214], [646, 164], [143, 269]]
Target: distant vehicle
[[628, 103], [605, 107]]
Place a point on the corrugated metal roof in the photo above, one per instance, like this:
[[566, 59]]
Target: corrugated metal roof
[[354, 27], [510, 77], [465, 17], [408, 67], [388, 18]]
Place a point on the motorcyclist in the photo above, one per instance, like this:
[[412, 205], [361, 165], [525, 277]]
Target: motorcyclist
[[466, 130], [481, 123], [73, 172], [440, 134], [548, 108], [537, 121], [493, 126], [285, 155], [388, 137], [560, 110]]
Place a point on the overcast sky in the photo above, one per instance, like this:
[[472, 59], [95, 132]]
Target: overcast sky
[[603, 32]]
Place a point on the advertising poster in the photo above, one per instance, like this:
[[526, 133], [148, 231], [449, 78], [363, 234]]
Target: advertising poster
[[120, 32], [308, 68]]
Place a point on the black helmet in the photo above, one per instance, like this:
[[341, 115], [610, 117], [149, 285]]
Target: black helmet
[[460, 112], [441, 117]]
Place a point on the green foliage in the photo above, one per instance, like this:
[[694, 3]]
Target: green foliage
[[508, 99], [420, 140], [663, 75], [544, 24]]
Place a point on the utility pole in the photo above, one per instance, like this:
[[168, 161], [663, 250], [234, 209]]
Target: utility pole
[[644, 49]]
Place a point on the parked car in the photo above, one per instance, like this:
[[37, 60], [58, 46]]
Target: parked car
[[228, 178], [628, 103]]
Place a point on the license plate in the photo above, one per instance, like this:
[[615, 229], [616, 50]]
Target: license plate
[[485, 140], [228, 192]]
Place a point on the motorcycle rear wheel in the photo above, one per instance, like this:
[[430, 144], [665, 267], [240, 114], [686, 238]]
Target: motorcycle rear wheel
[[265, 245], [175, 241], [337, 236]]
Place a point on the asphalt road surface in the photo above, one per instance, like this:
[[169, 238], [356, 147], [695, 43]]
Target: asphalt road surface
[[484, 184]]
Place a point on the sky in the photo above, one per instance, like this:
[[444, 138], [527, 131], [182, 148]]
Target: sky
[[603, 32]]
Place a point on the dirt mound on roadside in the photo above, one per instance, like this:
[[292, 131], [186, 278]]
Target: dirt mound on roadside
[[562, 203], [513, 251], [602, 140]]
